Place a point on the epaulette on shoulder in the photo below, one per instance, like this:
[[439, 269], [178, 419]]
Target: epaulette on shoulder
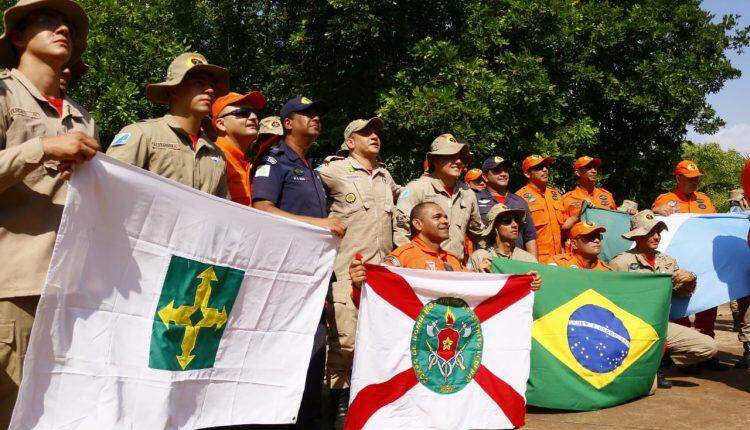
[[5, 74]]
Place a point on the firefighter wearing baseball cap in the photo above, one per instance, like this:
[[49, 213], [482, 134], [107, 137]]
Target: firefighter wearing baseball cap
[[43, 135], [546, 206], [685, 346], [175, 146], [586, 169], [474, 179], [235, 117], [585, 247], [361, 192], [687, 199], [447, 159]]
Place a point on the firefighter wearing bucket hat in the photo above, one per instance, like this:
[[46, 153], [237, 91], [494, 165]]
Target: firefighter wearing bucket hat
[[687, 199], [586, 169], [446, 161], [546, 206], [175, 146], [236, 119], [685, 346], [501, 232], [585, 247], [43, 135]]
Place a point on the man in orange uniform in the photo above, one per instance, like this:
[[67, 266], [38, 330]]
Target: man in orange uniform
[[586, 170], [546, 206], [235, 117], [687, 199], [585, 245]]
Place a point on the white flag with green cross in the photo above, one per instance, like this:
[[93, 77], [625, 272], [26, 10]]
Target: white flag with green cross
[[168, 308]]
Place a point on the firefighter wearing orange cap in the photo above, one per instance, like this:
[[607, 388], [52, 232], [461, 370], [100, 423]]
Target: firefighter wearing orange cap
[[546, 206], [236, 119], [474, 179], [586, 170], [585, 245], [687, 199]]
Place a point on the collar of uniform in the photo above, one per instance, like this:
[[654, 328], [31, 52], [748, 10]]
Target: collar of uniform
[[585, 191], [684, 197], [582, 264], [203, 141], [291, 153], [439, 187], [358, 166], [230, 149], [423, 246], [68, 108], [642, 261], [533, 188]]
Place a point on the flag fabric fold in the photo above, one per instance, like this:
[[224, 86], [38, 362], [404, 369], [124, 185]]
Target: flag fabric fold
[[441, 350], [597, 337], [168, 308]]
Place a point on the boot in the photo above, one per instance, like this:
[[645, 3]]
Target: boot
[[661, 381], [744, 362], [340, 407]]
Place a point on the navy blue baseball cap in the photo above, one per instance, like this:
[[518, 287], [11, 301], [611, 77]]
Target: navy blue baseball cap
[[492, 162], [302, 103]]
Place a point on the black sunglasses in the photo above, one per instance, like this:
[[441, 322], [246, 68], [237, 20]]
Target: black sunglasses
[[239, 113], [506, 220]]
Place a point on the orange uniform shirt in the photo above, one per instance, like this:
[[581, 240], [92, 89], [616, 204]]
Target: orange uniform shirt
[[698, 203], [600, 198], [416, 255], [548, 213], [572, 260], [238, 172]]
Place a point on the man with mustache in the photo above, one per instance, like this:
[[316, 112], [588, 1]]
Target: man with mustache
[[446, 161], [43, 135], [175, 146], [286, 184], [361, 193], [235, 118], [546, 207]]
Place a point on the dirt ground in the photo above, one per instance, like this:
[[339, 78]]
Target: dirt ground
[[711, 400]]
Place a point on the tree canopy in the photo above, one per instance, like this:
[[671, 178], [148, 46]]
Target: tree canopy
[[617, 79]]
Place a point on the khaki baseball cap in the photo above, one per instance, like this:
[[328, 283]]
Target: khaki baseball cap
[[189, 62], [446, 144], [73, 13], [271, 125], [641, 224], [361, 124], [495, 212], [736, 195]]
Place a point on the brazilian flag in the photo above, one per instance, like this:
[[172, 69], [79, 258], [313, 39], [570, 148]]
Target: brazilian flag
[[597, 338]]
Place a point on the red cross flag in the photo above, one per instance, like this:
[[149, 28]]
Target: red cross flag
[[441, 350]]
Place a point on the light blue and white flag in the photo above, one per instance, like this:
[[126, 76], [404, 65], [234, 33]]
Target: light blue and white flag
[[714, 247]]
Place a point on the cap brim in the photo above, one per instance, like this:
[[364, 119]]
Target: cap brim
[[457, 149], [73, 12], [547, 160], [595, 161], [254, 99], [491, 225], [642, 231], [159, 93], [692, 174]]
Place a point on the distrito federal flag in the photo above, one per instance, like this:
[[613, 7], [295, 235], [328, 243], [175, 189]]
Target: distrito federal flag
[[441, 350], [168, 308]]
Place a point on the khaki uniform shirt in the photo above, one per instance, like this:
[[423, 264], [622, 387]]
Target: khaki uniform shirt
[[631, 261], [161, 146], [364, 202], [461, 207], [480, 255], [31, 194]]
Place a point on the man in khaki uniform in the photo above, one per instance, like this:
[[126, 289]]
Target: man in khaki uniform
[[446, 159], [501, 233], [174, 146], [685, 345], [43, 134], [361, 193]]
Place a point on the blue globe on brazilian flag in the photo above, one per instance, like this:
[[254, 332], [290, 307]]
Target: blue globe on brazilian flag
[[597, 337]]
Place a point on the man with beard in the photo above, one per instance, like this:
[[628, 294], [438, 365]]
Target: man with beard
[[175, 146], [361, 193]]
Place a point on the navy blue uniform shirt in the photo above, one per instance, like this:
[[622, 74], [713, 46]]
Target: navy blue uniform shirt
[[486, 201], [285, 180]]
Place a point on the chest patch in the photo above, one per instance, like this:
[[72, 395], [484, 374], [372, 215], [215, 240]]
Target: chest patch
[[633, 266], [24, 113], [165, 145], [350, 198]]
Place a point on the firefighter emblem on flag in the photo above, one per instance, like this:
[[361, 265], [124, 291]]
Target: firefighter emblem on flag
[[446, 345]]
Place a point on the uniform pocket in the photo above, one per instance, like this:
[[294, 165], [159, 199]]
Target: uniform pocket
[[342, 291], [7, 331], [539, 216]]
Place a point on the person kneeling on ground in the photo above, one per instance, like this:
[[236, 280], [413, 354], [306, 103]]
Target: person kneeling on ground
[[585, 247], [686, 347]]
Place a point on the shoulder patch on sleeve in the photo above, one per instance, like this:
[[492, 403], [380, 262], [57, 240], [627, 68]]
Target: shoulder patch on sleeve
[[392, 261], [270, 160], [404, 194], [120, 140], [263, 171]]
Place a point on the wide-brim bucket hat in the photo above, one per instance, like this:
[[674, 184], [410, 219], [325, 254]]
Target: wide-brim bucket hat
[[180, 68]]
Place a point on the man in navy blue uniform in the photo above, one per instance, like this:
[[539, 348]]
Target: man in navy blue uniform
[[286, 184], [496, 172]]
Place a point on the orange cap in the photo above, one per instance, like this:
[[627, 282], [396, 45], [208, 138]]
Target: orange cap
[[584, 228], [687, 169], [472, 175], [585, 161], [534, 160], [254, 99]]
